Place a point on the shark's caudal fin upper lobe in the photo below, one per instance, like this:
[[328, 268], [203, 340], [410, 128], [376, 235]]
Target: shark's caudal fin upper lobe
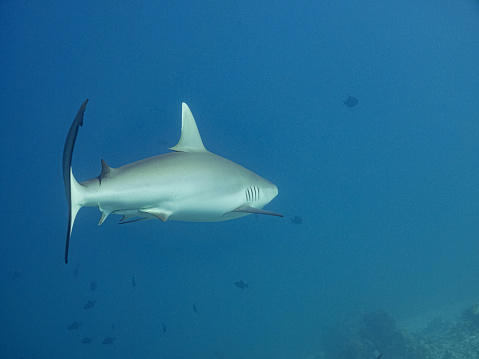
[[70, 183]]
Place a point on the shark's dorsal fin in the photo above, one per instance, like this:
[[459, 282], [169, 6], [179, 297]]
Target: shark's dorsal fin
[[190, 140]]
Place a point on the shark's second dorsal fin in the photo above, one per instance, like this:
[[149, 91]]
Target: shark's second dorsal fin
[[105, 170], [190, 140]]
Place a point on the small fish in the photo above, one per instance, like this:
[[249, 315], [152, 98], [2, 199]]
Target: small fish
[[351, 101], [86, 340], [195, 309], [74, 326], [93, 286], [475, 309], [89, 305], [76, 271], [108, 340], [297, 220], [133, 282], [164, 327], [380, 356], [241, 284]]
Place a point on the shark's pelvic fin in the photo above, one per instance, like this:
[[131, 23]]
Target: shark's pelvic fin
[[72, 187], [159, 213], [131, 219], [248, 209], [190, 140]]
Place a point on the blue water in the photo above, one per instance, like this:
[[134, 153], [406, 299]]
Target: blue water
[[388, 190]]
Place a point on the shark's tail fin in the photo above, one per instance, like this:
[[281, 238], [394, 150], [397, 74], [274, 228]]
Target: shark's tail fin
[[72, 187]]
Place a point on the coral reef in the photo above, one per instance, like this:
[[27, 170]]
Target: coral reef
[[375, 334]]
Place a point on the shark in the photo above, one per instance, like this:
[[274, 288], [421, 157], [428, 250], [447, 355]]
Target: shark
[[188, 184]]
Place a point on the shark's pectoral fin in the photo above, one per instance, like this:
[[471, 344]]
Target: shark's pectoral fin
[[159, 213], [248, 209]]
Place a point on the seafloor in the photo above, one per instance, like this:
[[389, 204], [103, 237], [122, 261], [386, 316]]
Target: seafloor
[[442, 334]]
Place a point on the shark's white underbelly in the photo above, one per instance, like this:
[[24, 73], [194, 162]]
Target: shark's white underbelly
[[187, 187]]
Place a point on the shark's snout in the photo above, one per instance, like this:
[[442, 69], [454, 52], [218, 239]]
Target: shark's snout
[[271, 191]]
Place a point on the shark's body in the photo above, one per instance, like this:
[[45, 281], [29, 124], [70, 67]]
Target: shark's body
[[189, 184]]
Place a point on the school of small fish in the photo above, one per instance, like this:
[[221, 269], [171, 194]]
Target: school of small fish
[[89, 306], [109, 339]]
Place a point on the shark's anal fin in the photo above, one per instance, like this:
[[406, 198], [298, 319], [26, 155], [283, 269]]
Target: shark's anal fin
[[67, 175], [248, 209], [104, 214]]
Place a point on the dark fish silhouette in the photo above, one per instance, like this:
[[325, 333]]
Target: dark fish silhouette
[[93, 286], [380, 356], [164, 327], [86, 340], [108, 340], [89, 305], [351, 101], [241, 284], [133, 281], [74, 326], [297, 220], [76, 271], [195, 309]]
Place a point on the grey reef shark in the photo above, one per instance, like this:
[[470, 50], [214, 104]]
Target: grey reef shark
[[189, 184]]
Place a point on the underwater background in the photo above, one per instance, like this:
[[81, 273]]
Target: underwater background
[[380, 197]]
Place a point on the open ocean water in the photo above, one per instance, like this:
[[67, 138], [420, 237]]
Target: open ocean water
[[365, 114]]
